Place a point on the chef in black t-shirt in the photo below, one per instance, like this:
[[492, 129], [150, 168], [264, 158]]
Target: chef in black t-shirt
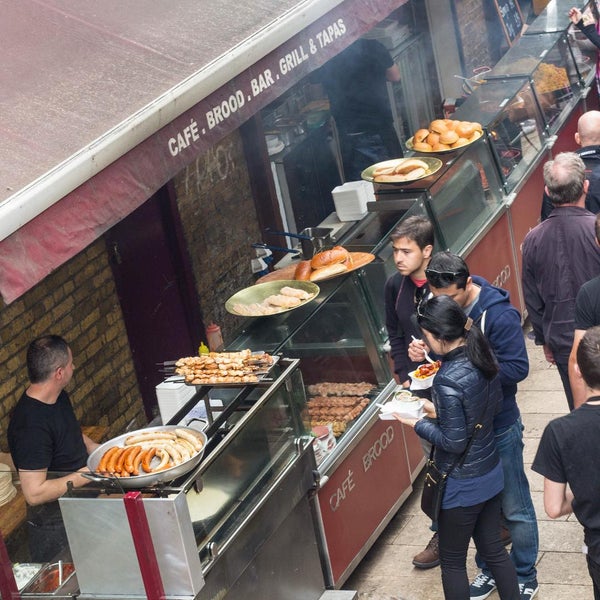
[[356, 83], [46, 441]]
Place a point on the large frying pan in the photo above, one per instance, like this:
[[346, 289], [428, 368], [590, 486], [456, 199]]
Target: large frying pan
[[147, 479]]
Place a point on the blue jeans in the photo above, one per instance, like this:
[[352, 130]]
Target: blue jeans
[[517, 506]]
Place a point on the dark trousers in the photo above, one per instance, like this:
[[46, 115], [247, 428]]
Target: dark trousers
[[563, 371], [456, 526], [47, 541], [594, 571], [365, 148]]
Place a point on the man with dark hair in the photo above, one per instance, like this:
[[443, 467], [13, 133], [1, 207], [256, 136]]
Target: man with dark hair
[[47, 444], [568, 456], [412, 244], [559, 256], [587, 137], [500, 322], [587, 315]]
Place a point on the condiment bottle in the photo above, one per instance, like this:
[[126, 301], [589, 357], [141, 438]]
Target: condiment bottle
[[214, 337], [203, 349]]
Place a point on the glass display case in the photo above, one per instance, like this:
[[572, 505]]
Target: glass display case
[[223, 528], [513, 123], [460, 198], [547, 60], [338, 342]]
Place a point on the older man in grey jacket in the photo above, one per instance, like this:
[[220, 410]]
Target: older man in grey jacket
[[559, 256]]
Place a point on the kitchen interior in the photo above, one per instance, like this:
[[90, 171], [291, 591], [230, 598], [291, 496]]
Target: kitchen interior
[[301, 137]]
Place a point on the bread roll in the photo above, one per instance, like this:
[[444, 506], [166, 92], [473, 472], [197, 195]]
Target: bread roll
[[328, 271], [337, 254], [441, 147], [433, 138], [465, 129], [422, 147], [303, 271], [438, 125], [461, 141], [420, 135], [409, 164], [384, 171], [415, 174], [448, 137]]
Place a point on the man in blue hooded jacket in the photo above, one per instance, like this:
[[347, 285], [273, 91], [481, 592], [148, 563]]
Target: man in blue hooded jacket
[[500, 321]]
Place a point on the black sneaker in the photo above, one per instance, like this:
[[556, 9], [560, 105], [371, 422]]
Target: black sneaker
[[483, 585], [528, 589]]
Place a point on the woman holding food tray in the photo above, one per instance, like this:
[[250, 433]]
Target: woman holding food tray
[[466, 394]]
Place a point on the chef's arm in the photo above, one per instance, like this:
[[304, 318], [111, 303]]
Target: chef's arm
[[90, 444], [393, 73], [557, 499], [37, 489], [578, 387]]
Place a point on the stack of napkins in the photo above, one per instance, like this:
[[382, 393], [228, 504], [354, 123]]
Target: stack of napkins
[[351, 199], [7, 490], [172, 394]]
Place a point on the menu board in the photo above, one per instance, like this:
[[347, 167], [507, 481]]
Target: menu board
[[511, 18]]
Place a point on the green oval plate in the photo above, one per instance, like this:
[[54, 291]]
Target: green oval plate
[[245, 303], [433, 164]]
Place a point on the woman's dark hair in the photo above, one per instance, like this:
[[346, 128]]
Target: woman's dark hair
[[445, 320], [45, 355]]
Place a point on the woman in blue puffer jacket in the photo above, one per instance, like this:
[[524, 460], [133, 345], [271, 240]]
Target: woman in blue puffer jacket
[[466, 392]]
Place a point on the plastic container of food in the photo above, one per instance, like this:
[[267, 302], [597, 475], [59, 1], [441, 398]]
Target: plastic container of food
[[50, 579]]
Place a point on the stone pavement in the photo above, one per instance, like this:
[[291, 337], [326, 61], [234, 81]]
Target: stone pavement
[[387, 573]]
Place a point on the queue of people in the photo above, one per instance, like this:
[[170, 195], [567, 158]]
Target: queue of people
[[561, 283]]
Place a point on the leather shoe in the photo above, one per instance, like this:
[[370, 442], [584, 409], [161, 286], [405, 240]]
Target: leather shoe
[[430, 557]]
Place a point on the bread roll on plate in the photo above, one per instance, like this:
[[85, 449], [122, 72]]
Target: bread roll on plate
[[328, 271], [303, 271], [337, 254]]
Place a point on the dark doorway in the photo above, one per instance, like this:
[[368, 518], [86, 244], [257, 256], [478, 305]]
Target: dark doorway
[[156, 294]]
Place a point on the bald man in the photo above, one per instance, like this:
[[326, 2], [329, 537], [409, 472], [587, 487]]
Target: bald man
[[587, 137]]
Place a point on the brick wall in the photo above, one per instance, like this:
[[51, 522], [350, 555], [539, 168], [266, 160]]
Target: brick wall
[[78, 302], [220, 224], [475, 34]]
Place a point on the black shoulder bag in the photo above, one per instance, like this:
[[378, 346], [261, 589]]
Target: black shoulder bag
[[435, 480]]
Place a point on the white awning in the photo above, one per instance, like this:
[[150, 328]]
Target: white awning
[[102, 103]]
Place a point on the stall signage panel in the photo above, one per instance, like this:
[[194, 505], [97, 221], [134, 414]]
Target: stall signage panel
[[361, 491], [494, 259]]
